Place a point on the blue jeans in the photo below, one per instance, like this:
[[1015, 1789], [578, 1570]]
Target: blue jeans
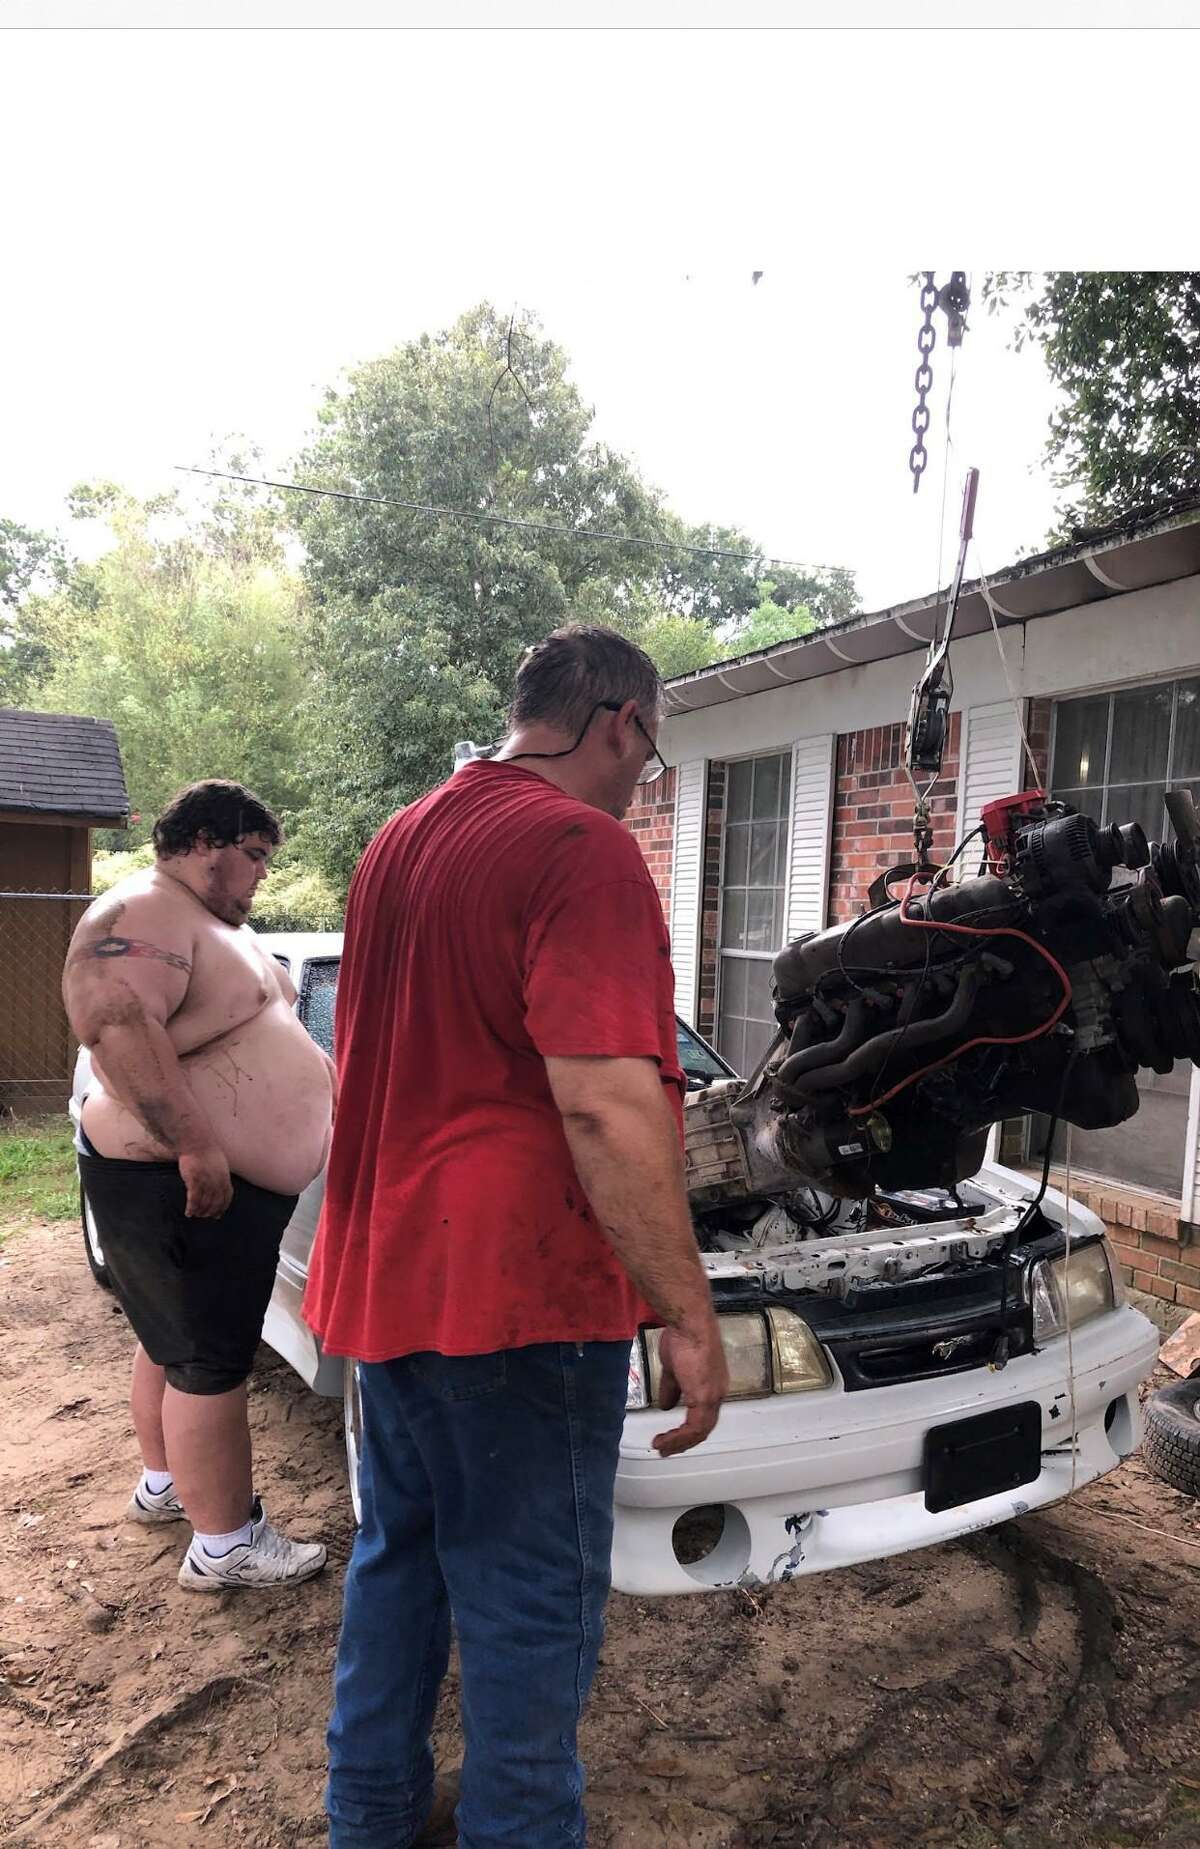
[[487, 1494]]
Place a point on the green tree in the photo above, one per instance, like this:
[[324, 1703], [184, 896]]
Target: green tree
[[1123, 347], [31, 565], [418, 621], [771, 621], [188, 637]]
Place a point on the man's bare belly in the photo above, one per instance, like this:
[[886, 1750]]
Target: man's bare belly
[[266, 1089]]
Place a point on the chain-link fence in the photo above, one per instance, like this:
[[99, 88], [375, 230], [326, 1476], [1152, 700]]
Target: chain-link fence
[[37, 1051]]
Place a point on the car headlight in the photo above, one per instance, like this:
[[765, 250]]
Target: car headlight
[[1079, 1290], [798, 1362], [768, 1351]]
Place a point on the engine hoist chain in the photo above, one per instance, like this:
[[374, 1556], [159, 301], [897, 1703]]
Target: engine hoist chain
[[953, 298], [923, 380]]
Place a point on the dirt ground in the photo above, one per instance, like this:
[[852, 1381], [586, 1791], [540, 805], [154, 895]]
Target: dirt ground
[[1038, 1685]]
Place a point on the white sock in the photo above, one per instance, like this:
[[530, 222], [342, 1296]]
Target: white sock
[[215, 1545], [157, 1481]]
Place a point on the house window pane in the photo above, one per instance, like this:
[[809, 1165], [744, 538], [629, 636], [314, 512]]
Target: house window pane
[[1140, 802], [767, 777], [737, 847], [1113, 760], [761, 921], [1088, 802], [1141, 732], [733, 920], [761, 1027], [737, 793], [1080, 742], [763, 837], [1186, 758]]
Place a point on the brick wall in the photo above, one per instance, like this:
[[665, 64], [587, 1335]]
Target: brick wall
[[1156, 1250], [873, 811], [651, 820]]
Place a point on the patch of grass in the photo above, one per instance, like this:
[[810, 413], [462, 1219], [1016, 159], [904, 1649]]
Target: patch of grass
[[38, 1179]]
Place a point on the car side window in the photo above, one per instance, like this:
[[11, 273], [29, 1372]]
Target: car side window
[[699, 1063], [318, 997]]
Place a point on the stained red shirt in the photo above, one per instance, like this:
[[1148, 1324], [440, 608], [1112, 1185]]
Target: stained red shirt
[[492, 924]]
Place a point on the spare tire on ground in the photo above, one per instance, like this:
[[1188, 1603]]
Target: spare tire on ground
[[1171, 1446]]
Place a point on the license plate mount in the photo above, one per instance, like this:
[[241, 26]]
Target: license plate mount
[[982, 1456]]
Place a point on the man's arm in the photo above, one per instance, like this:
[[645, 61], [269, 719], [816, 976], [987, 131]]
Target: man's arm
[[127, 973], [625, 1145]]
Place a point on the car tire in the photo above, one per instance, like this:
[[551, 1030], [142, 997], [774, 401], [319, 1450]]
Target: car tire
[[352, 1419], [92, 1247], [1171, 1445]]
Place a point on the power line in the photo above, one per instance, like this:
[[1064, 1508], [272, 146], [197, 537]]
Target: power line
[[529, 526]]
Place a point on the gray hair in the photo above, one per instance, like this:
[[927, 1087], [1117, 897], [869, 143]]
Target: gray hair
[[562, 680]]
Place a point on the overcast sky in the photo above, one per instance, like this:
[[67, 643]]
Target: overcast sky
[[202, 229]]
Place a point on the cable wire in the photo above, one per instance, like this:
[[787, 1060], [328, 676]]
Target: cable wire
[[529, 526]]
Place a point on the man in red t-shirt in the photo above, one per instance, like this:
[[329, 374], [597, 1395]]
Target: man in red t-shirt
[[504, 1205]]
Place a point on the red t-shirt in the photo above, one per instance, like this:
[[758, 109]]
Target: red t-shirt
[[493, 923]]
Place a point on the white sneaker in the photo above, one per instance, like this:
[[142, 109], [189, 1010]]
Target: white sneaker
[[151, 1507], [267, 1559]]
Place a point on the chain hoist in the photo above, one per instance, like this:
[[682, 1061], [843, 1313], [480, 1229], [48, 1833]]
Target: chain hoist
[[953, 298]]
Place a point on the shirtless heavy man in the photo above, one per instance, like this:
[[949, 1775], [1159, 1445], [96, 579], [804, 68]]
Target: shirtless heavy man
[[209, 1111]]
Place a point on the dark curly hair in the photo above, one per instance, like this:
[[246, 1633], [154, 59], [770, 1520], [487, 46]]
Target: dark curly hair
[[221, 811]]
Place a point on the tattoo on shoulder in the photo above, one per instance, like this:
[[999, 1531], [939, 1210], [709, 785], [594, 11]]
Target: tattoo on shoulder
[[134, 947]]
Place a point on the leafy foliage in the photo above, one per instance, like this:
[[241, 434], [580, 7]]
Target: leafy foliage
[[31, 563], [188, 638], [1123, 346], [772, 621], [337, 690], [109, 866], [293, 897], [419, 620]]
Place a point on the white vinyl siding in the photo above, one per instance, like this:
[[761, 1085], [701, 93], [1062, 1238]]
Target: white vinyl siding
[[991, 764], [811, 833], [687, 879]]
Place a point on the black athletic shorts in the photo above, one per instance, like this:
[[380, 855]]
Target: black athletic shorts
[[195, 1291]]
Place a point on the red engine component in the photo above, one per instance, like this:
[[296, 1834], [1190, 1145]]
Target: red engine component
[[999, 821]]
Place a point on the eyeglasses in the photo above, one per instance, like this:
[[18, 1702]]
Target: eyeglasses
[[652, 769]]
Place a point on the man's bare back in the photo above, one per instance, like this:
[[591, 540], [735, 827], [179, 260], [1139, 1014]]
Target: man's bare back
[[261, 1083]]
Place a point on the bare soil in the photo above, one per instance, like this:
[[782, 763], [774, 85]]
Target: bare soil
[[1034, 1686]]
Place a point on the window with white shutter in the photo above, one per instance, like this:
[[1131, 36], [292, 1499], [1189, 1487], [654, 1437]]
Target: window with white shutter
[[753, 887], [687, 878]]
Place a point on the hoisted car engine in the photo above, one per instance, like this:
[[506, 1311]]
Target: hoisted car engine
[[1039, 985]]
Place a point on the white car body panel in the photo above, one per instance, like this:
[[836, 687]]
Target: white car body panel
[[811, 1481], [819, 1480]]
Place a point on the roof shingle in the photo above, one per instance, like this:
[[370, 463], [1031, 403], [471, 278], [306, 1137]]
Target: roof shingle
[[61, 763]]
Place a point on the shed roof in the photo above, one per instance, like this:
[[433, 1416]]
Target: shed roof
[[61, 764], [1144, 553]]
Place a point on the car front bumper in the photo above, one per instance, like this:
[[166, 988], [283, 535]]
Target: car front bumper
[[809, 1482]]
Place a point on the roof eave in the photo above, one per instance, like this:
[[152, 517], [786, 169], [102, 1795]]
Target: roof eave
[[904, 628]]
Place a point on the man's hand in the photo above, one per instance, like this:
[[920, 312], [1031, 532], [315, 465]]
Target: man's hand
[[695, 1371], [209, 1188]]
